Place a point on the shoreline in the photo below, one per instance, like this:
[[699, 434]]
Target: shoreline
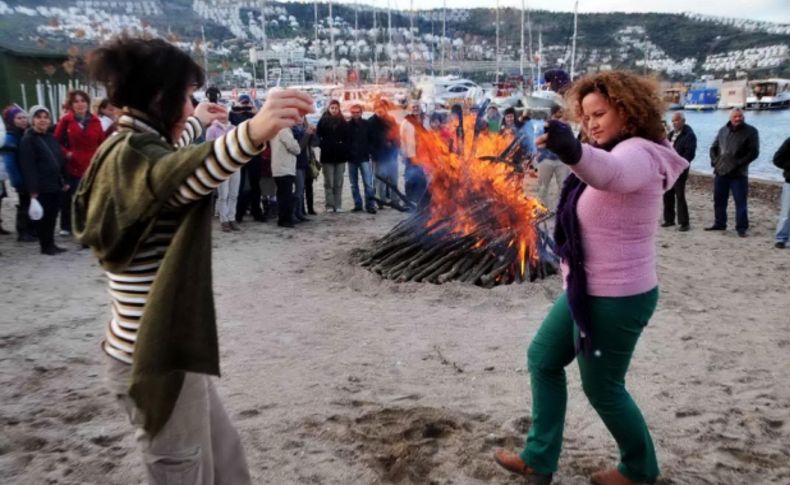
[[768, 191]]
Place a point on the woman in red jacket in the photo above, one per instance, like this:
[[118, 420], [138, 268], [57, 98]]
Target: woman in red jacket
[[79, 134]]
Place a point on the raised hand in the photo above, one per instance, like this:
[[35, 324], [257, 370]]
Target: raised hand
[[284, 108], [559, 139]]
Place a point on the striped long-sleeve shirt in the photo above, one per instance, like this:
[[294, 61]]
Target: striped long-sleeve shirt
[[129, 289]]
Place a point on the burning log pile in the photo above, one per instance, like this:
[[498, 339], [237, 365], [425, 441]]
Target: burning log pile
[[475, 224]]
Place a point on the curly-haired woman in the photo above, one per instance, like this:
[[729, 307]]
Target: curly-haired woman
[[144, 207], [607, 220]]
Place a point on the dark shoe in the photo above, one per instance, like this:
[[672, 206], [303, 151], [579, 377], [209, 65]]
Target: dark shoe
[[371, 210], [52, 251], [234, 226], [684, 228], [311, 212], [715, 228], [514, 464], [286, 224], [225, 227], [3, 232], [667, 224], [26, 238], [357, 209], [743, 233], [303, 219], [60, 249], [260, 219], [611, 476], [780, 245]]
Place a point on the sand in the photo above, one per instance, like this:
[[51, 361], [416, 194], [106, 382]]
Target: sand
[[334, 376]]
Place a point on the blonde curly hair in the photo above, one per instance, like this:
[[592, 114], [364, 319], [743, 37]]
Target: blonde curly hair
[[635, 97]]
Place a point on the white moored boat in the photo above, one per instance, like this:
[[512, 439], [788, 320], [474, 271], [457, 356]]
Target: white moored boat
[[768, 94]]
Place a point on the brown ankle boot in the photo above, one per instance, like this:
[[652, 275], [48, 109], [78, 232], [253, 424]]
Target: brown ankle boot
[[611, 476], [514, 464]]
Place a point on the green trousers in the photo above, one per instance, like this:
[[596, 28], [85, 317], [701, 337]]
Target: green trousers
[[616, 326]]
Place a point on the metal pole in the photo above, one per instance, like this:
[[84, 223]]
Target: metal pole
[[531, 54], [317, 46], [24, 96]]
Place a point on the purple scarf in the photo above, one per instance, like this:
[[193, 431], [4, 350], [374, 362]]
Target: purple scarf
[[567, 236]]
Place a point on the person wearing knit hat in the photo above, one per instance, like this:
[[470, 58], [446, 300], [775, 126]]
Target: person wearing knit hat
[[15, 122], [43, 169]]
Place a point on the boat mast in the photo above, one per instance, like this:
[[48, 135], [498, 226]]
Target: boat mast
[[497, 40], [411, 33], [389, 39], [375, 47], [356, 35], [265, 46], [521, 57], [332, 42], [444, 31], [573, 44]]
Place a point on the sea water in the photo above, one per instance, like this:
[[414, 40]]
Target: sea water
[[774, 128]]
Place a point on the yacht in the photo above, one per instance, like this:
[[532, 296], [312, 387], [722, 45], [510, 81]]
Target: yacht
[[768, 94]]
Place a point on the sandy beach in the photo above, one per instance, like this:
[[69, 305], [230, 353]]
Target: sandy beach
[[335, 376]]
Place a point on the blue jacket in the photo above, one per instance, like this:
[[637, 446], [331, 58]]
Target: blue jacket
[[9, 155]]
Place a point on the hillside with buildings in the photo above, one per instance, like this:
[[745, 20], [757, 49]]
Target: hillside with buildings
[[301, 37]]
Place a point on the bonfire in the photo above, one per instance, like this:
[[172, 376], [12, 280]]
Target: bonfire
[[475, 224]]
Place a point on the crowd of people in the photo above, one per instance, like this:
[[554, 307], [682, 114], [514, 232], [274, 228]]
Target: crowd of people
[[45, 160], [145, 181]]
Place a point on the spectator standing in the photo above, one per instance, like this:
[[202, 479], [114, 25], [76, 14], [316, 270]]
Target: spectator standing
[[108, 115], [684, 141], [782, 160], [333, 133], [549, 165], [415, 182], [359, 161], [228, 190], [384, 140], [736, 146], [44, 172], [79, 134], [285, 149], [15, 121], [249, 198], [304, 134]]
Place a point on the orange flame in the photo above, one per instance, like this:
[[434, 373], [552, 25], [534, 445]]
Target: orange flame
[[459, 182]]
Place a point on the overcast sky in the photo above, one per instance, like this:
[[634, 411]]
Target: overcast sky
[[770, 10]]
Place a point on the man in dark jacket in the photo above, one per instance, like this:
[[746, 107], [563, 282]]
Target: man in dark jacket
[[359, 160], [735, 147], [684, 140], [782, 160], [385, 146], [250, 185]]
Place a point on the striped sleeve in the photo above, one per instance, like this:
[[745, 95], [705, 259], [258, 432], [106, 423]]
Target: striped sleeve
[[192, 131], [230, 152]]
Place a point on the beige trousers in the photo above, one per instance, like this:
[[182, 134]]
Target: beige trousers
[[197, 446]]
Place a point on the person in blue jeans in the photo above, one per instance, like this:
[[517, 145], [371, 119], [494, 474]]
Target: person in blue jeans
[[359, 161], [782, 160], [736, 146]]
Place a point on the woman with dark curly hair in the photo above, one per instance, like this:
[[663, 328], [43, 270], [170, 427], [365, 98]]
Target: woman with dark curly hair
[[144, 207], [607, 220]]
